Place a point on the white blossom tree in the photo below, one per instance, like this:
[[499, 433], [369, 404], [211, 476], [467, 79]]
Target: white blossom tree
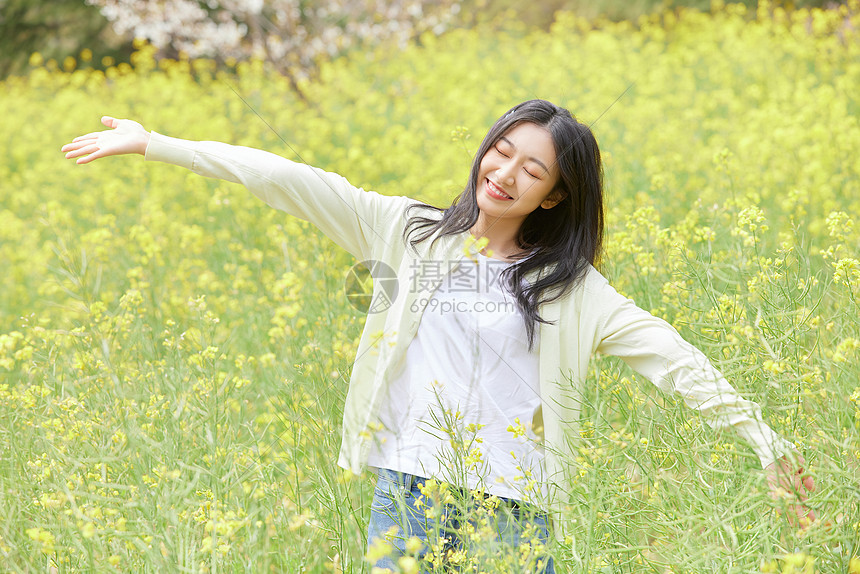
[[290, 34]]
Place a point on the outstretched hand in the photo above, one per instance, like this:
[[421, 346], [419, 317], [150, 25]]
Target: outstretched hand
[[790, 485], [124, 137]]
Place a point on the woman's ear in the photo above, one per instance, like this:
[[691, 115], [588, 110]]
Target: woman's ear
[[554, 198]]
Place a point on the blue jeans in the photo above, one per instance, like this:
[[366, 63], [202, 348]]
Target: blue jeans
[[498, 534]]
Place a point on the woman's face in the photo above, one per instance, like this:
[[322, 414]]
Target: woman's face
[[518, 174]]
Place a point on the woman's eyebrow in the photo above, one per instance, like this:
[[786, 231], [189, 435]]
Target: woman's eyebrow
[[534, 159]]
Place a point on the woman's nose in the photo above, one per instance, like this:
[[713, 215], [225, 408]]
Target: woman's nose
[[505, 174]]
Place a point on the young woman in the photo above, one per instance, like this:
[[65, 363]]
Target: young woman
[[469, 376]]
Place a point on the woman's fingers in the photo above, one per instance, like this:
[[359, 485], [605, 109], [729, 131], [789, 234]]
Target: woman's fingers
[[89, 136], [92, 150], [80, 142], [95, 155], [804, 515], [803, 483], [77, 144], [83, 150]]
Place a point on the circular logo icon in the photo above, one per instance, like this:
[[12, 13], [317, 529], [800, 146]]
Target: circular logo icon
[[370, 286]]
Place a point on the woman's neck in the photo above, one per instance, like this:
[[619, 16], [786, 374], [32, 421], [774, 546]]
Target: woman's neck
[[502, 238]]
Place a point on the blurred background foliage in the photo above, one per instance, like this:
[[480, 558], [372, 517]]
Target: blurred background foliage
[[104, 30], [57, 29]]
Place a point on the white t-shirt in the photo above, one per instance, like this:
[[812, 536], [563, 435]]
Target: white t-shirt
[[469, 376]]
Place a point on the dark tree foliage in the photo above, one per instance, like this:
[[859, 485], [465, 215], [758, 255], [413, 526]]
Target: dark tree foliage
[[54, 28]]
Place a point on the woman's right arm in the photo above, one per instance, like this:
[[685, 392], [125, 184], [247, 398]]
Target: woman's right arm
[[355, 219]]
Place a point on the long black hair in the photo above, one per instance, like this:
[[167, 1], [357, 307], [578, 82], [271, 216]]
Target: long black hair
[[562, 241]]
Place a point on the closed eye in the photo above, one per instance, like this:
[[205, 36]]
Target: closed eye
[[503, 154]]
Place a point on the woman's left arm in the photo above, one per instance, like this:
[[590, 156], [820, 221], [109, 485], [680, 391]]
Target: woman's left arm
[[655, 349]]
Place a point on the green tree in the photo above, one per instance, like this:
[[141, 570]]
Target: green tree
[[55, 28]]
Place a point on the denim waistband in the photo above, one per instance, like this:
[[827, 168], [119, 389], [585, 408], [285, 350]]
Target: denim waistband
[[402, 479], [407, 482]]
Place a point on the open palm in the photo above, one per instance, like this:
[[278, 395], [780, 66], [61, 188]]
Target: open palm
[[124, 137]]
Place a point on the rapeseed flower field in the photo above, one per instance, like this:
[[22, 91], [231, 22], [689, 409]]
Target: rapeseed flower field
[[174, 355]]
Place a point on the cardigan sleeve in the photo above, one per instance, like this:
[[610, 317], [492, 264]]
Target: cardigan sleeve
[[353, 218], [653, 348]]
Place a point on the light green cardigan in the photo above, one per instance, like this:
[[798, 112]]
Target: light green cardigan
[[592, 318]]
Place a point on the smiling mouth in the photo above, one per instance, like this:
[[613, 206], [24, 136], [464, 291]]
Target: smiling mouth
[[496, 192]]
